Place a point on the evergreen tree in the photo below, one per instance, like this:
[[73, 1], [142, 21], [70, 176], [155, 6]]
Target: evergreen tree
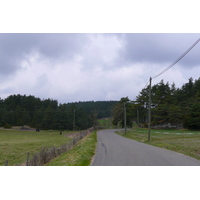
[[49, 117], [118, 113], [193, 120]]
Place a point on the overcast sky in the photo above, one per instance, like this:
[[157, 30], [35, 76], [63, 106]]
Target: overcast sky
[[82, 67]]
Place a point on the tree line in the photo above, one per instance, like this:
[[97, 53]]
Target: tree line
[[177, 107], [20, 110]]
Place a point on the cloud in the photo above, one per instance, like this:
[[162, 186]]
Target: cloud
[[102, 50], [17, 47], [161, 48], [82, 67]]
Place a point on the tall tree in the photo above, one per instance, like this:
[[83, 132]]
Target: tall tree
[[118, 113]]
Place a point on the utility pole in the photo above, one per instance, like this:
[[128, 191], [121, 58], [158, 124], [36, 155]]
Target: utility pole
[[125, 117], [149, 124], [137, 116], [74, 120]]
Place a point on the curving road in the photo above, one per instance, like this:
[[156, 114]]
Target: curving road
[[115, 150]]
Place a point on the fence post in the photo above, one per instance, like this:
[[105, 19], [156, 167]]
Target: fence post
[[27, 159], [182, 139], [6, 163]]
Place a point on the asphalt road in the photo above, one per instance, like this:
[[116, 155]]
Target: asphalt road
[[115, 150]]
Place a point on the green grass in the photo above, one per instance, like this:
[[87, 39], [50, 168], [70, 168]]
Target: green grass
[[15, 144], [80, 155], [182, 141]]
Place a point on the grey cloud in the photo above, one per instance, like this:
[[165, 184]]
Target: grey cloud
[[101, 60], [155, 48], [14, 47], [161, 48], [98, 54], [61, 45]]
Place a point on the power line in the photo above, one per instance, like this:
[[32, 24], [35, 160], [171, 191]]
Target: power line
[[177, 59], [146, 84]]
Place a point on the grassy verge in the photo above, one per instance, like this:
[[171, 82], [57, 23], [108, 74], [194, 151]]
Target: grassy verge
[[14, 144], [80, 155], [182, 141]]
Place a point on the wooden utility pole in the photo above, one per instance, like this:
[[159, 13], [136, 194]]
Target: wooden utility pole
[[125, 117], [149, 124], [74, 122], [137, 116]]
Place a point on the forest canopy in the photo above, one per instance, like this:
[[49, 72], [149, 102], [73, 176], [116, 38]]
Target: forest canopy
[[176, 107], [20, 110], [172, 106]]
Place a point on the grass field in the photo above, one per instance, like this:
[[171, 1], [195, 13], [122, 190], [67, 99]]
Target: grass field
[[182, 141], [14, 144], [80, 155]]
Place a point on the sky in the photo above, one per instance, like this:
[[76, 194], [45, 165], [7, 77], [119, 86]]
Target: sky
[[71, 67], [95, 50]]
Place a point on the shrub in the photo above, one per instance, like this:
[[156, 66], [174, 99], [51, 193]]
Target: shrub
[[7, 126]]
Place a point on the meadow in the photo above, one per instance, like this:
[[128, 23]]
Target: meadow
[[15, 144], [183, 141]]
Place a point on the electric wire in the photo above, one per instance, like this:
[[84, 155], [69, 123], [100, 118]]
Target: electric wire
[[146, 84], [176, 61]]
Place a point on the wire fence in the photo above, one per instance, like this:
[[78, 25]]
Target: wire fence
[[46, 154]]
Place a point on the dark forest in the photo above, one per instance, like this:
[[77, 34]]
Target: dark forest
[[20, 110]]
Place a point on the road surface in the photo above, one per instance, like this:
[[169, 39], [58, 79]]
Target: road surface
[[115, 150]]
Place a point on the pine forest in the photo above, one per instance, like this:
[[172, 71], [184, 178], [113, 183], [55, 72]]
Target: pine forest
[[20, 110], [171, 107]]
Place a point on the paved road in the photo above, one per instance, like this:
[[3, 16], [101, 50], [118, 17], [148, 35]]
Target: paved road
[[115, 150]]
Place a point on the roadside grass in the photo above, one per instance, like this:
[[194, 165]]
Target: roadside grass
[[80, 155], [182, 141], [15, 144]]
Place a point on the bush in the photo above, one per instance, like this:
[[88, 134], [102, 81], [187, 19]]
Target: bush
[[7, 126]]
